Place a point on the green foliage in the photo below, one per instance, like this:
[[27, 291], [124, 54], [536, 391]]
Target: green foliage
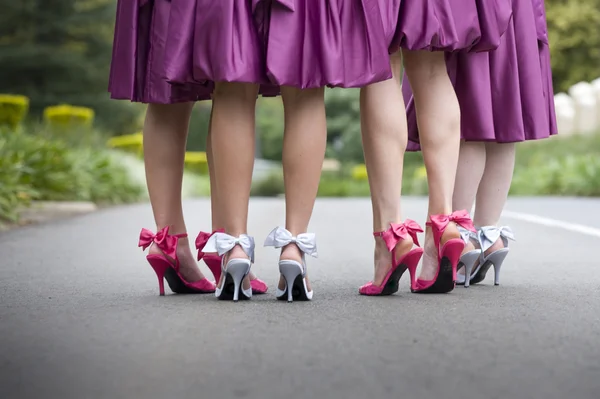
[[13, 110], [271, 186], [269, 125], [574, 41], [34, 167], [59, 51], [199, 126]]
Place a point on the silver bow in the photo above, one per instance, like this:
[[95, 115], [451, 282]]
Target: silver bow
[[488, 235], [222, 243], [281, 237], [466, 235]]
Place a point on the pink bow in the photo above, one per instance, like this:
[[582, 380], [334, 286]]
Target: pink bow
[[202, 239], [462, 218], [165, 242], [402, 231]]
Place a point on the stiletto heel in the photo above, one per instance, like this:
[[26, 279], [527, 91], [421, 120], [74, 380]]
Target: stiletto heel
[[236, 269], [409, 261], [166, 266], [213, 261], [293, 272], [488, 236], [448, 253], [160, 266], [468, 259]]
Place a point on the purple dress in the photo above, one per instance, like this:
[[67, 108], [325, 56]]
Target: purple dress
[[137, 71], [174, 50], [505, 95]]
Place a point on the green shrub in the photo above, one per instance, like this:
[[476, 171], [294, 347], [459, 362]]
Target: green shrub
[[272, 186], [68, 117], [574, 41], [33, 167], [197, 162], [13, 109], [13, 192]]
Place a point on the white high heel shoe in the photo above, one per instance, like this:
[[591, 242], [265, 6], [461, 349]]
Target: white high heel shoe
[[236, 269], [488, 235], [293, 272]]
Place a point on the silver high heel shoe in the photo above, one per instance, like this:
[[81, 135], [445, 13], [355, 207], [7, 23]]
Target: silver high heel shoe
[[236, 269], [293, 272], [488, 236], [468, 259]]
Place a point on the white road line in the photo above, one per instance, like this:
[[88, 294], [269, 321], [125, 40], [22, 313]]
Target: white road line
[[576, 228]]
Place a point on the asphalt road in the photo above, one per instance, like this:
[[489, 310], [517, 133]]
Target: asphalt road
[[80, 316]]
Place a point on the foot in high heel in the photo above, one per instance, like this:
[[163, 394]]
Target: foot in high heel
[[293, 271], [166, 263], [234, 270], [469, 258], [490, 238], [213, 261], [448, 253], [392, 237]]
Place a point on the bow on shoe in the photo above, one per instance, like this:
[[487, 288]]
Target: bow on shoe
[[281, 237], [461, 218], [290, 5], [165, 242], [466, 235], [202, 239], [488, 235], [222, 243], [401, 231]]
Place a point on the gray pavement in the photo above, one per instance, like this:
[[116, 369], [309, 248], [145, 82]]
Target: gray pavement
[[80, 317]]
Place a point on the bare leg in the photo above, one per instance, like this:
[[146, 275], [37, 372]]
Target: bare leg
[[233, 127], [438, 116], [304, 143], [471, 164], [384, 138], [216, 219], [494, 186], [165, 135]]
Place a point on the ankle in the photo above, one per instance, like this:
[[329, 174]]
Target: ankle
[[291, 252]]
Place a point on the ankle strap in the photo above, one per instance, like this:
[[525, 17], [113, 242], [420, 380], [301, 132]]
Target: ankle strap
[[398, 232], [439, 223], [166, 242], [202, 239], [280, 237], [221, 243]]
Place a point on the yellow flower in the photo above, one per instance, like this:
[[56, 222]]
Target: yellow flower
[[359, 172]]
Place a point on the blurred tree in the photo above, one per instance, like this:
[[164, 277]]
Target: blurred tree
[[574, 30], [58, 51]]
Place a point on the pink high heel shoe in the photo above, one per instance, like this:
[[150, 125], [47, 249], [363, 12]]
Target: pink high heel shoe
[[448, 254], [409, 261], [165, 268], [213, 261]]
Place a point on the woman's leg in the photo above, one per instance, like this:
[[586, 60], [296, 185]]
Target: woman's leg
[[232, 123], [438, 116], [216, 219], [304, 143], [494, 186], [384, 138], [165, 135], [471, 165]]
